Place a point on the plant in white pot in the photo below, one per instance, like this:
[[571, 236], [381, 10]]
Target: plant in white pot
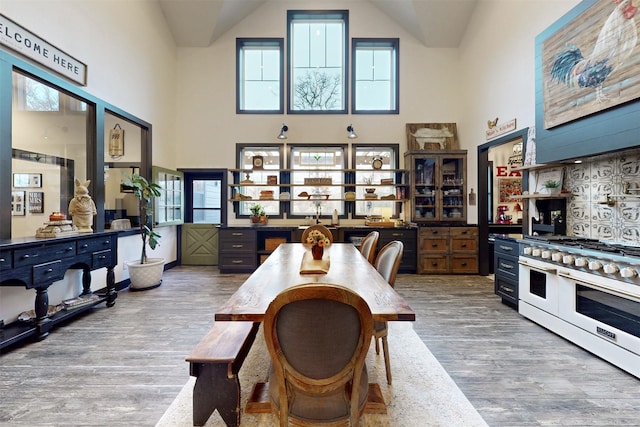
[[553, 187], [145, 273]]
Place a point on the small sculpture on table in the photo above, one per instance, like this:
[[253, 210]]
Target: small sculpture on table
[[81, 208]]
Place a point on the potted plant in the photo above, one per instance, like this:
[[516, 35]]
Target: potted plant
[[552, 186], [258, 215], [145, 273]]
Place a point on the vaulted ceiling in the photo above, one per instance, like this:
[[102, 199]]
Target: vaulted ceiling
[[436, 23]]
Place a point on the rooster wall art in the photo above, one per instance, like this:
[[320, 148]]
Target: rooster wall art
[[595, 72]]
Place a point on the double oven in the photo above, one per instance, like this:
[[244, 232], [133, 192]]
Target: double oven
[[586, 291]]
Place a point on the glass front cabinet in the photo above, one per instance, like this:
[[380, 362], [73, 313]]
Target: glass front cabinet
[[438, 186]]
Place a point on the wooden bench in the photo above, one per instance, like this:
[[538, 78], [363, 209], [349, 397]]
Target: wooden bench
[[215, 363]]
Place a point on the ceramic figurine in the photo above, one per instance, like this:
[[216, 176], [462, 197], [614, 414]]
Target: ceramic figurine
[[81, 208]]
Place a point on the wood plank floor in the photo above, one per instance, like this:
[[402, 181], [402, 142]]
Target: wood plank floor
[[123, 366]]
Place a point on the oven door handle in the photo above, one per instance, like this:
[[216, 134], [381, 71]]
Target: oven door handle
[[540, 269], [600, 287]]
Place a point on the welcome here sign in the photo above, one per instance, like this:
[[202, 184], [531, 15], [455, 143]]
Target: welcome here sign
[[28, 44]]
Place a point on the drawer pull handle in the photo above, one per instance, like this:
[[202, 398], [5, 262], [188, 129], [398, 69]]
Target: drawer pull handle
[[434, 245], [27, 256], [464, 245], [464, 264], [464, 232], [102, 257], [506, 288], [507, 266], [396, 234], [107, 242], [70, 248], [85, 246], [237, 234], [2, 260], [237, 246], [434, 264], [237, 261], [506, 248], [49, 270]]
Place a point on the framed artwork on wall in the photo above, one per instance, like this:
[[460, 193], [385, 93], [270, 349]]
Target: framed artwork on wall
[[27, 180], [509, 187], [17, 203], [36, 202], [432, 136], [591, 63]]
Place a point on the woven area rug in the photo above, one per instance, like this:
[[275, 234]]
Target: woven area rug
[[422, 393]]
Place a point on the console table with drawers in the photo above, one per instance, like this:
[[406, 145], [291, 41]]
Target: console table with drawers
[[36, 264]]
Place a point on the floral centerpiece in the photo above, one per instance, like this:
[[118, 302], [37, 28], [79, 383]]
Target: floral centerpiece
[[318, 242]]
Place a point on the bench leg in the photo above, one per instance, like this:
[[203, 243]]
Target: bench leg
[[214, 390]]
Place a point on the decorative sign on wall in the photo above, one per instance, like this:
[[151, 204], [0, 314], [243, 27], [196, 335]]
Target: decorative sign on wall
[[116, 142], [432, 136], [33, 47], [501, 129], [36, 202]]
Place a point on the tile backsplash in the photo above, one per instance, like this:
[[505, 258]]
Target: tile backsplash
[[588, 212]]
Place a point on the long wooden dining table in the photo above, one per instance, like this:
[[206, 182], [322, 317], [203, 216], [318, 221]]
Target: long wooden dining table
[[282, 269]]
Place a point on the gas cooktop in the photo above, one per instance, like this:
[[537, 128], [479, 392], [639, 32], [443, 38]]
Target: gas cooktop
[[590, 244]]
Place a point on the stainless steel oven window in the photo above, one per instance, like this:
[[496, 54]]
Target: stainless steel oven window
[[618, 312]]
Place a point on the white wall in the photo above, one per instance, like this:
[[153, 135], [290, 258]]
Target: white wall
[[131, 60], [496, 67], [209, 127]]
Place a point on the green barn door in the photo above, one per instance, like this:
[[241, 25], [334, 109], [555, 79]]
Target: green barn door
[[199, 244], [205, 209]]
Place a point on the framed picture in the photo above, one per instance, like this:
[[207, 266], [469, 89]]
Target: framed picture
[[548, 175], [509, 187], [36, 202], [432, 136], [585, 68], [27, 180], [17, 203]]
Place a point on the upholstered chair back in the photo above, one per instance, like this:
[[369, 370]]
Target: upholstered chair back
[[388, 261], [369, 245], [318, 336]]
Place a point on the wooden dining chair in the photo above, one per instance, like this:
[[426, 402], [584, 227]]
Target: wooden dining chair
[[318, 336], [387, 263], [368, 246], [324, 230]]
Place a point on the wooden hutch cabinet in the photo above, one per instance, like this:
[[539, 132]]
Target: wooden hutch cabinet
[[437, 186], [446, 244]]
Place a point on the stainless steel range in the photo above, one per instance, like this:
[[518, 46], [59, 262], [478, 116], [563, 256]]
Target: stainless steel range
[[586, 291]]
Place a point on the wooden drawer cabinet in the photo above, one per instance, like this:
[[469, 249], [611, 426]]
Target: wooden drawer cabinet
[[408, 237], [505, 268], [443, 250], [237, 250]]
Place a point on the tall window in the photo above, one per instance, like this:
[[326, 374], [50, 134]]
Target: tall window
[[259, 75], [317, 51], [375, 76]]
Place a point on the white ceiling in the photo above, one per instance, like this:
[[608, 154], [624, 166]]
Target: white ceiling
[[436, 23]]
